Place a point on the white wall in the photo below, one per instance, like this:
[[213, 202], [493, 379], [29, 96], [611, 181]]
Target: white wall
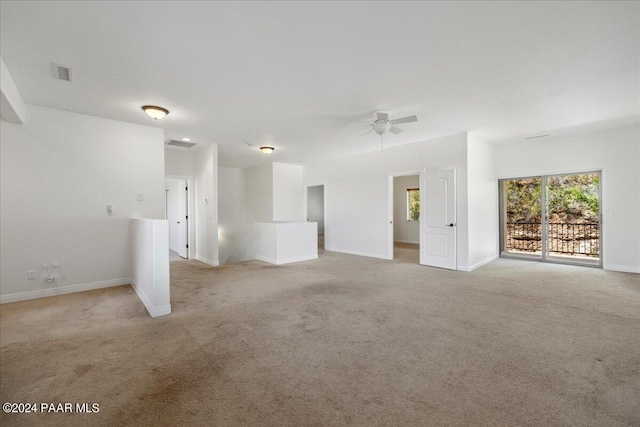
[[282, 243], [58, 172], [259, 193], [232, 212], [482, 202], [617, 153], [315, 206], [12, 107], [356, 193], [150, 264], [206, 195], [287, 192], [403, 230], [178, 162]]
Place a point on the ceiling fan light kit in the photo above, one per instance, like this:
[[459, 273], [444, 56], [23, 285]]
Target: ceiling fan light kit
[[383, 123]]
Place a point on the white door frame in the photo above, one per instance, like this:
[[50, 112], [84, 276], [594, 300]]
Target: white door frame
[[305, 206], [191, 210], [390, 219]]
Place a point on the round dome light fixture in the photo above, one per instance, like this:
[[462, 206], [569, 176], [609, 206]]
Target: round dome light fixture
[[267, 149], [154, 111], [381, 126]]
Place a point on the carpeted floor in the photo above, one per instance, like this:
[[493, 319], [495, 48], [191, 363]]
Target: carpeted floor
[[342, 340]]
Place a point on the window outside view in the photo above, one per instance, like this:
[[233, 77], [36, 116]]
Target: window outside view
[[570, 216], [413, 204]]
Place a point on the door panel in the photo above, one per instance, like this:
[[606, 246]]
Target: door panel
[[183, 228], [438, 219]]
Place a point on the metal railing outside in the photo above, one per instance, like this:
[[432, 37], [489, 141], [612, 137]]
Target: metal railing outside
[[563, 238]]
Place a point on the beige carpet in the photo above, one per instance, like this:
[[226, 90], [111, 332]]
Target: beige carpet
[[342, 340]]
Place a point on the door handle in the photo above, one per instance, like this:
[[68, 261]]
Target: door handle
[[178, 222], [451, 225]]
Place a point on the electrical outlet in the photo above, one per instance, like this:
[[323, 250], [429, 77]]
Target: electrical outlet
[[140, 197], [31, 274]]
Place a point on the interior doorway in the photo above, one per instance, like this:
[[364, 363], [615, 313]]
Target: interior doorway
[[553, 218], [316, 211], [437, 217], [177, 214], [406, 218]]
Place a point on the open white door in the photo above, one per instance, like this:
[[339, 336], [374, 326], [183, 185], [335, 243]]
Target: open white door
[[438, 219], [183, 224]]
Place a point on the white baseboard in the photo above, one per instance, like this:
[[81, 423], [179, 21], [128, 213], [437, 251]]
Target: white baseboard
[[43, 293], [211, 262], [266, 259], [297, 259], [406, 241], [285, 260], [151, 309], [622, 268], [345, 251], [478, 265]]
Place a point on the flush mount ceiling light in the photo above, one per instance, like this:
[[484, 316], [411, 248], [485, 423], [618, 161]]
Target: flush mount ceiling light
[[266, 149], [155, 112]]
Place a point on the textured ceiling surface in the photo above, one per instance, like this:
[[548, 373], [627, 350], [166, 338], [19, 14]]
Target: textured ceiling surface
[[296, 75]]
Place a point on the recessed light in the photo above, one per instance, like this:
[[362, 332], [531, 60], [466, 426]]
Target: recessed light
[[186, 139], [249, 143]]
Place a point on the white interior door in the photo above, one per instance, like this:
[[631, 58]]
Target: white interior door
[[438, 219], [183, 227]]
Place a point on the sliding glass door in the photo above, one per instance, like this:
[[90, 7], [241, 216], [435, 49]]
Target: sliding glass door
[[521, 217], [552, 218]]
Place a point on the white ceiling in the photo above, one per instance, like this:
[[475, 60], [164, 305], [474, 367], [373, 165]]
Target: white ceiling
[[295, 75]]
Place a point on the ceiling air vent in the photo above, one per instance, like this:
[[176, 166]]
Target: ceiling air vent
[[183, 144], [62, 73]]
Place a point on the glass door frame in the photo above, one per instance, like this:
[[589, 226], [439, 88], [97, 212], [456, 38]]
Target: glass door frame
[[544, 215]]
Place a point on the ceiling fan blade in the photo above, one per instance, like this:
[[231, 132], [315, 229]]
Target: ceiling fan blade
[[407, 119], [395, 130], [368, 132], [382, 115]]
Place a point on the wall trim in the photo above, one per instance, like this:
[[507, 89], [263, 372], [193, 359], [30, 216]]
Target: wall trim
[[151, 309], [369, 255], [622, 268], [289, 260], [478, 265], [297, 259], [51, 292], [266, 259], [211, 262]]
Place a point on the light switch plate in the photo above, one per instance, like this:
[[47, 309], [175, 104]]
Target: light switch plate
[[31, 274], [140, 197]]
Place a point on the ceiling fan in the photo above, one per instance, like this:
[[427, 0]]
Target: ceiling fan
[[383, 123]]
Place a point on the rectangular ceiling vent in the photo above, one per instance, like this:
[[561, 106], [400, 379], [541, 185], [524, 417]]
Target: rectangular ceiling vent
[[183, 144], [62, 73]]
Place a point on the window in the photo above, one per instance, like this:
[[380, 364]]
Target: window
[[413, 204]]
